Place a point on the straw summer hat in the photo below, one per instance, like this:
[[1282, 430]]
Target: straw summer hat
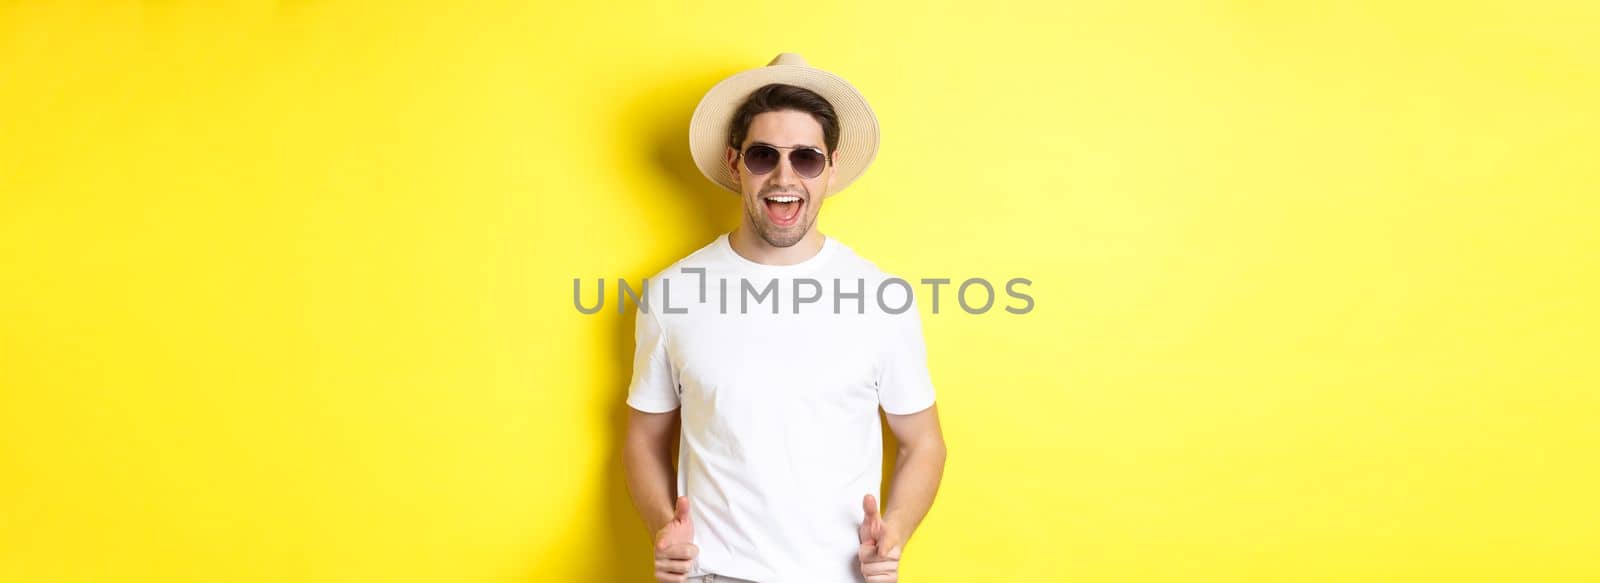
[[858, 127]]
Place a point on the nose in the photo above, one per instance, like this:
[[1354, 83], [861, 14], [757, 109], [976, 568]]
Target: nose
[[784, 175]]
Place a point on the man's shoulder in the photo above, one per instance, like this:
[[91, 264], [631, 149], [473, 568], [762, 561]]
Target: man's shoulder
[[848, 261], [703, 257], [686, 268]]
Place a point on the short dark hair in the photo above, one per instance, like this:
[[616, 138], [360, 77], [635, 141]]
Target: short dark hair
[[779, 97]]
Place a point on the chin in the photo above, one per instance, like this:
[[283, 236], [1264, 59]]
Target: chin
[[782, 237], [782, 242]]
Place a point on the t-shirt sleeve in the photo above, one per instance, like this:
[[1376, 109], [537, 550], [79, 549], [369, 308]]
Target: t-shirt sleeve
[[654, 388], [904, 385]]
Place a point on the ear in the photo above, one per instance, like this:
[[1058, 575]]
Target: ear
[[833, 172], [730, 157]]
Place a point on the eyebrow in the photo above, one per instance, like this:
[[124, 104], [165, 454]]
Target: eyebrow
[[761, 143]]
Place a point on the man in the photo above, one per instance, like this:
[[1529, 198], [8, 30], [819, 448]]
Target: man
[[775, 384]]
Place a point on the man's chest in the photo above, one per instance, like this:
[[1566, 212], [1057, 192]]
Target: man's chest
[[740, 363]]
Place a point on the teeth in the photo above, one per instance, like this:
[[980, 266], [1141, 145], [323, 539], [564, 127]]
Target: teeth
[[783, 198]]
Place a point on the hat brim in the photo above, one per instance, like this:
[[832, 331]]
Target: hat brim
[[858, 127]]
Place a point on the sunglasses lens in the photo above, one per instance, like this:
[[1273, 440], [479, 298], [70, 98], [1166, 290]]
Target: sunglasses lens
[[807, 163], [761, 159]]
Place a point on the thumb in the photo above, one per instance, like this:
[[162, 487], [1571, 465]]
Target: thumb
[[871, 523], [681, 514]]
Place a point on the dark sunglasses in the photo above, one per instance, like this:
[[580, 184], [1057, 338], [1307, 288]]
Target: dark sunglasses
[[807, 161]]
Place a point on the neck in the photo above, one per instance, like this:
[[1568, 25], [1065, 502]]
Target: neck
[[751, 246]]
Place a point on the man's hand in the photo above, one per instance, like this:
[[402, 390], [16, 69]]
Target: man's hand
[[675, 549], [879, 553]]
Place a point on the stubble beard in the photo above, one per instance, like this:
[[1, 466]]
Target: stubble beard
[[756, 215]]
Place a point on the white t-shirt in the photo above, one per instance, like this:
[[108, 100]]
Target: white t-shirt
[[780, 434]]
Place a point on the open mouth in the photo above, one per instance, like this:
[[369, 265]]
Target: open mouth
[[783, 209]]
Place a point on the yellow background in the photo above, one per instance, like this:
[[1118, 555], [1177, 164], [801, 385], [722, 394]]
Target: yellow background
[[285, 288]]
